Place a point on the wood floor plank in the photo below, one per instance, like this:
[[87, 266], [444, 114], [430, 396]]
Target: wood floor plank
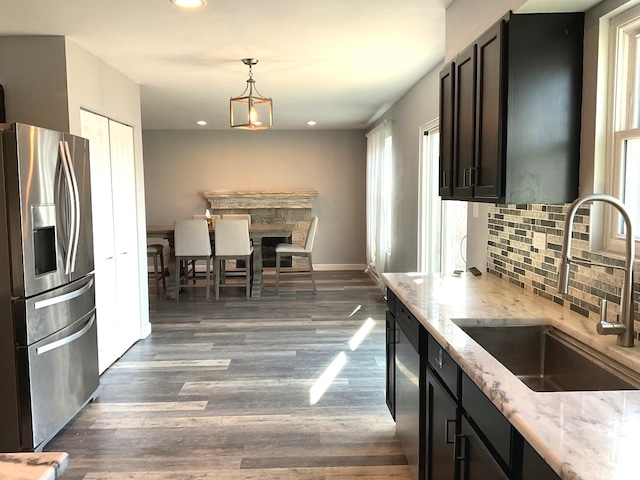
[[222, 390]]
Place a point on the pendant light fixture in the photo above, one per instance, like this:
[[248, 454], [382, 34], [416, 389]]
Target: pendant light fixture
[[250, 110]]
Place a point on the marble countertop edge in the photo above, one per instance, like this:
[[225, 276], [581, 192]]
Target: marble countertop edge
[[33, 465]]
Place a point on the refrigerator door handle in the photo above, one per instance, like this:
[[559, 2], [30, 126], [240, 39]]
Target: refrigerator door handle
[[67, 176], [65, 297], [66, 340], [76, 197]]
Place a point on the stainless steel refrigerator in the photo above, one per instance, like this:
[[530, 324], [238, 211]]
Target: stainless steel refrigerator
[[48, 342]]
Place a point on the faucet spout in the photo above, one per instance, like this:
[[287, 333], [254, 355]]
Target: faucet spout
[[625, 329]]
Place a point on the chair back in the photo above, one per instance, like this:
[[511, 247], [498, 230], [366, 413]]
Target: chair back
[[311, 234], [237, 216], [191, 238], [232, 237]]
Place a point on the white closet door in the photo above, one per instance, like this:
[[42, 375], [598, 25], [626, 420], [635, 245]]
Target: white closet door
[[96, 129], [123, 183]]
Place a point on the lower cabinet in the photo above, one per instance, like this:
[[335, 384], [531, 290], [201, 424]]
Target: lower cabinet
[[441, 431], [534, 467], [476, 462], [462, 435]]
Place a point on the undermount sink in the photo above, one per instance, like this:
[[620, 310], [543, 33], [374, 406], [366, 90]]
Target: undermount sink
[[548, 360]]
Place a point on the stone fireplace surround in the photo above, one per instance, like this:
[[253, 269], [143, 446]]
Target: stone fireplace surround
[[271, 206]]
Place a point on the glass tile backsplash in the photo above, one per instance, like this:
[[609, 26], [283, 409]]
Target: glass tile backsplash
[[525, 244]]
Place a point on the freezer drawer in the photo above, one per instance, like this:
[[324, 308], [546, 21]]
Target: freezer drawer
[[58, 376], [40, 316]]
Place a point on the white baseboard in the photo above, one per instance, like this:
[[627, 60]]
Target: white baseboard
[[339, 266], [200, 268], [145, 330]]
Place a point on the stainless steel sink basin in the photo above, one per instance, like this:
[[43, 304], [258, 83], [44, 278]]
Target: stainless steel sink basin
[[548, 360]]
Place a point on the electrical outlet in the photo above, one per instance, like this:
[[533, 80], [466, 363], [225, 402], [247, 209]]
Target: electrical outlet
[[540, 240]]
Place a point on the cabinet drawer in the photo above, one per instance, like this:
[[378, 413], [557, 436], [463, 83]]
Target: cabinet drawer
[[409, 325], [392, 301], [443, 365], [495, 427]]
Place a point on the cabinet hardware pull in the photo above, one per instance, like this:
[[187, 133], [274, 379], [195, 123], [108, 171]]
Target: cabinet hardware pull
[[445, 175], [447, 422], [438, 359], [459, 456]]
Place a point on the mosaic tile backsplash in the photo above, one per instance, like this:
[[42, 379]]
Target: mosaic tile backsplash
[[513, 254]]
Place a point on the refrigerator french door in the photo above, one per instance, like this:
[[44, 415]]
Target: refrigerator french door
[[47, 307]]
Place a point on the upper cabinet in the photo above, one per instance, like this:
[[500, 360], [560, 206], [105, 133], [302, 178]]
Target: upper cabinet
[[510, 108]]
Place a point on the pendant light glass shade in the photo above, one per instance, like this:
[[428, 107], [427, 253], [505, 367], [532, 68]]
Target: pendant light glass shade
[[250, 110]]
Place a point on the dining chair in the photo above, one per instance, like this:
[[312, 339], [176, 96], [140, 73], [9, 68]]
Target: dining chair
[[237, 216], [232, 243], [155, 252], [286, 249], [198, 266], [191, 243]]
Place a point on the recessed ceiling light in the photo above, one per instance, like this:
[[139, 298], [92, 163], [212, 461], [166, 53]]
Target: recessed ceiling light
[[311, 123], [201, 122], [190, 4]]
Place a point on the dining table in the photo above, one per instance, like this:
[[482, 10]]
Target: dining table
[[257, 231]]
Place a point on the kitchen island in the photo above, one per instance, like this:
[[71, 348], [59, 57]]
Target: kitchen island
[[582, 435], [33, 466]]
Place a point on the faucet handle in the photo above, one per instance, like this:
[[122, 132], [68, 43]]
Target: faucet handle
[[603, 310], [608, 328]]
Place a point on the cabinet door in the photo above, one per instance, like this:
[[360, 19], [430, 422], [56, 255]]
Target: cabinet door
[[488, 174], [123, 181], [447, 83], [96, 129], [442, 414], [534, 467], [464, 123], [476, 462], [391, 364]]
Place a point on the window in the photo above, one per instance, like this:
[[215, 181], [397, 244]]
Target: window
[[623, 160], [442, 224], [429, 208], [379, 192]]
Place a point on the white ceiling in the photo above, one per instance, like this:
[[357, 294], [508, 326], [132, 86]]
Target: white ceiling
[[338, 62]]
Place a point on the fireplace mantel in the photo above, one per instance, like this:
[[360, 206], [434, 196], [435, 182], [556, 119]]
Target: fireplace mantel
[[235, 199]]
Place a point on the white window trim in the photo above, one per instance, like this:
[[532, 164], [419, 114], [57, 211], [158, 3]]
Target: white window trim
[[429, 205], [617, 120]]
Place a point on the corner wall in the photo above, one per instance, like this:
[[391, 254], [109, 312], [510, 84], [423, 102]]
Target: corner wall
[[33, 72]]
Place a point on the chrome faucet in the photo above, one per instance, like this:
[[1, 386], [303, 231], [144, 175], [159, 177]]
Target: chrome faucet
[[623, 328]]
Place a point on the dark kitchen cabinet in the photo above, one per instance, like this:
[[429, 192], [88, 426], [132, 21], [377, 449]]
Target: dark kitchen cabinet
[[534, 467], [476, 461], [515, 129], [446, 131], [448, 427], [391, 354], [442, 420]]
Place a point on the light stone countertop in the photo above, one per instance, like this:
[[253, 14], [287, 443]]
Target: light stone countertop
[[33, 466], [581, 435]]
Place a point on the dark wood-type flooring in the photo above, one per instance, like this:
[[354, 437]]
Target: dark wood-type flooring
[[221, 390]]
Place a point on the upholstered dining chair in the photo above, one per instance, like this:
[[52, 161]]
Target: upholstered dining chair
[[197, 266], [191, 243], [237, 216], [286, 249], [232, 243]]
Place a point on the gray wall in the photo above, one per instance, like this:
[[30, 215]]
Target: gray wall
[[416, 108], [180, 165]]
